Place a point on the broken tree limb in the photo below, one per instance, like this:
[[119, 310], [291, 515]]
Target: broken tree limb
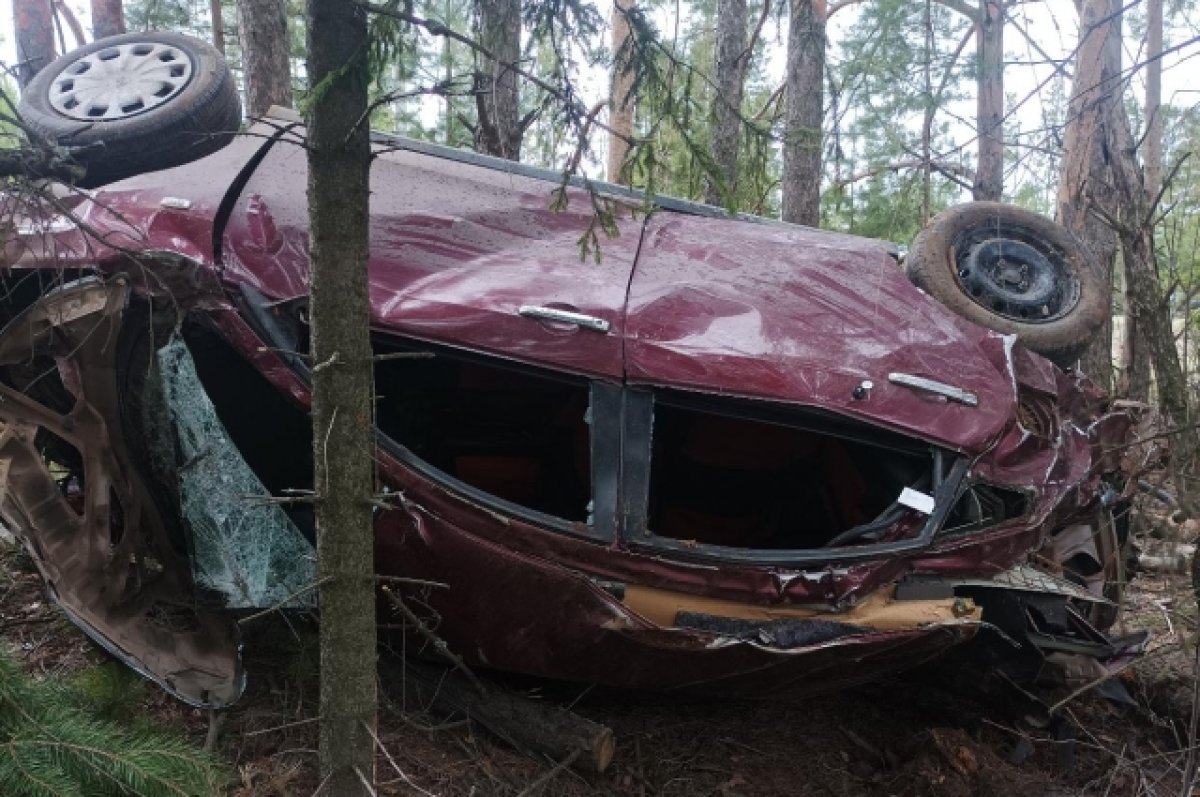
[[1173, 560], [528, 725]]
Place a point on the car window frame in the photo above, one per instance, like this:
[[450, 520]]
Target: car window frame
[[604, 426], [637, 448]]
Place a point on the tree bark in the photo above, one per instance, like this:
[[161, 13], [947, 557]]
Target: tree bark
[[1135, 359], [622, 103], [989, 172], [218, 25], [497, 87], [733, 57], [33, 21], [803, 117], [1085, 195], [266, 54], [108, 18], [1150, 305], [343, 432]]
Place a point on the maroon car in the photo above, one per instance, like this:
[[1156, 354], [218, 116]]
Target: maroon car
[[728, 453]]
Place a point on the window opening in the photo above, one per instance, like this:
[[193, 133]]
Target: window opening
[[734, 481], [514, 434]]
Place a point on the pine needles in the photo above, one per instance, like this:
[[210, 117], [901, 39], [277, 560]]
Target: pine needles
[[53, 745]]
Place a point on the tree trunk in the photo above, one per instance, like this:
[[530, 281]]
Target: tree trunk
[[989, 172], [620, 96], [732, 59], [497, 86], [33, 21], [108, 18], [1085, 195], [1135, 359], [343, 433], [1150, 306], [218, 25], [266, 53], [803, 117]]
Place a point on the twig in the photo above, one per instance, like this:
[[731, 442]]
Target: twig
[[392, 761], [413, 582], [1189, 770], [285, 601], [366, 783], [282, 727], [215, 720], [438, 643], [536, 786], [404, 355]]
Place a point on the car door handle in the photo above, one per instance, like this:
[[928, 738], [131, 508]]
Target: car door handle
[[564, 317]]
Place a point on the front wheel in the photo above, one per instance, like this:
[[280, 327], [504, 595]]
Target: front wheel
[[1013, 271]]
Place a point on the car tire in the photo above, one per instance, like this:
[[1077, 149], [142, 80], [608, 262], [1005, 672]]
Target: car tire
[[193, 112], [1015, 272]]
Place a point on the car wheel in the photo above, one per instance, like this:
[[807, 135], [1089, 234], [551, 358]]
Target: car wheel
[[138, 102], [1013, 271]]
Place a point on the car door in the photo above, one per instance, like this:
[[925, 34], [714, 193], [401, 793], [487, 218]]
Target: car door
[[462, 254]]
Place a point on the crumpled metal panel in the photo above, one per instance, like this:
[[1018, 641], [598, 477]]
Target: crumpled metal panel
[[1020, 577], [248, 550]]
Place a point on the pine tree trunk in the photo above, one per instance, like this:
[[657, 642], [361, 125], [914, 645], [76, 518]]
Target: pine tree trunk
[[497, 86], [803, 117], [218, 25], [1151, 307], [33, 21], [989, 172], [343, 432], [266, 48], [1135, 359], [1085, 195], [108, 18], [730, 79], [622, 103]]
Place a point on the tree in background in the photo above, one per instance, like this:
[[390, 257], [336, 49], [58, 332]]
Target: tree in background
[[499, 127], [733, 58], [266, 54], [33, 21], [1134, 378], [108, 18], [1086, 202], [989, 94], [802, 131], [339, 157], [621, 100]]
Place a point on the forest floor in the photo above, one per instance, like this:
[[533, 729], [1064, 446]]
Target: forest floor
[[908, 735]]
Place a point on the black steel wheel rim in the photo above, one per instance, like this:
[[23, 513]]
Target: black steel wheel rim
[[1011, 273]]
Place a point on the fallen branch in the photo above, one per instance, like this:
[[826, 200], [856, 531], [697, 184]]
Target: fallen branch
[[528, 725]]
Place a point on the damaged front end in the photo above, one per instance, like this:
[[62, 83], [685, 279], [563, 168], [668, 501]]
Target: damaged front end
[[124, 487]]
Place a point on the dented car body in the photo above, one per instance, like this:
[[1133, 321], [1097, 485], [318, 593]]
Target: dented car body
[[727, 455]]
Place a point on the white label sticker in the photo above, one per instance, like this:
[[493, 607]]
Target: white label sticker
[[915, 499]]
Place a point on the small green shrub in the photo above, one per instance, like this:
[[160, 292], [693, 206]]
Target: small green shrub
[[53, 745]]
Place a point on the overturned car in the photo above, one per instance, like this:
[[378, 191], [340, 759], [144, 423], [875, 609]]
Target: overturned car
[[731, 454]]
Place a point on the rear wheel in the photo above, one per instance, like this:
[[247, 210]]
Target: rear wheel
[[139, 102]]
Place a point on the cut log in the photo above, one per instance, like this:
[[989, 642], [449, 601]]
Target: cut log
[[528, 725], [1176, 559]]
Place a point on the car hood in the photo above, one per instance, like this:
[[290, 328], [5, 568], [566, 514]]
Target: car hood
[[791, 314]]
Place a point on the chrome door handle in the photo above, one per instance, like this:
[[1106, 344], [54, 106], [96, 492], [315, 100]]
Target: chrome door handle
[[564, 317]]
